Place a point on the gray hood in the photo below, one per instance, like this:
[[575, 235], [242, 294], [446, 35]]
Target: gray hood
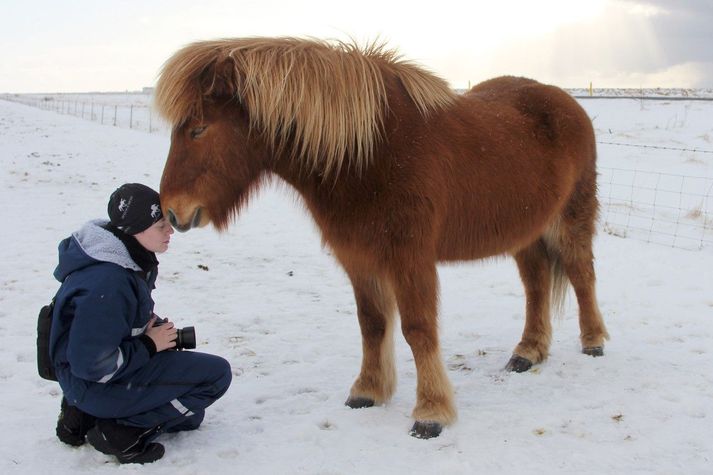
[[89, 245]]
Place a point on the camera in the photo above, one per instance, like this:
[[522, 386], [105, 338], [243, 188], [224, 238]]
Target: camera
[[185, 337]]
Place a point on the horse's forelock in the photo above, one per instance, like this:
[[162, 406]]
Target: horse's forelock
[[323, 103]]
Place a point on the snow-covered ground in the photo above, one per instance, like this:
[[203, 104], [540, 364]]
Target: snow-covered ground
[[268, 298]]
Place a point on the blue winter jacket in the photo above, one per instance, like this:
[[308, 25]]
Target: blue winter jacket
[[101, 309]]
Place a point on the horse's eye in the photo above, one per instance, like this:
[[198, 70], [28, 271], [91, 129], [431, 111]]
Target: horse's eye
[[197, 132]]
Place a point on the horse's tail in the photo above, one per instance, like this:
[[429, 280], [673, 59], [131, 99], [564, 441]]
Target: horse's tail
[[559, 284], [558, 277]]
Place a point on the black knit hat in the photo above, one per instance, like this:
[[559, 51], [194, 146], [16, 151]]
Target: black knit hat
[[134, 207]]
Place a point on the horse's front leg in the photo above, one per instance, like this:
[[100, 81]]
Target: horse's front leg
[[416, 290], [375, 307]]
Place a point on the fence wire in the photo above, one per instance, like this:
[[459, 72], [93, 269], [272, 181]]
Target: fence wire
[[662, 208], [656, 147], [137, 116]]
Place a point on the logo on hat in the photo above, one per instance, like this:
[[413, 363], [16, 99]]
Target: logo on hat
[[155, 211], [124, 206]]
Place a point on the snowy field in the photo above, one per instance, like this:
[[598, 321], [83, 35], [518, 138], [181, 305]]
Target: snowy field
[[267, 297]]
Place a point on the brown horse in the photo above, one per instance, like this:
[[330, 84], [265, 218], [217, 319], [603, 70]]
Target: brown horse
[[399, 173]]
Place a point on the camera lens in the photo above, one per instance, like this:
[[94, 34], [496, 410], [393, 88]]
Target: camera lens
[[186, 338]]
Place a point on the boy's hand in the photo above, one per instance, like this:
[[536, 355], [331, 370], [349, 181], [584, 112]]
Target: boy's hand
[[163, 336]]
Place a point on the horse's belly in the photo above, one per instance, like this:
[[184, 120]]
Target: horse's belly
[[479, 246], [478, 232]]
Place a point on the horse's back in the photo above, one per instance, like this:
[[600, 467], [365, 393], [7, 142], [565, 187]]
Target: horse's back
[[501, 87], [514, 90], [557, 115]]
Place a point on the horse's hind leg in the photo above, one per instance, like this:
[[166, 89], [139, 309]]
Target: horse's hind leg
[[578, 262], [535, 272], [572, 239], [375, 308]]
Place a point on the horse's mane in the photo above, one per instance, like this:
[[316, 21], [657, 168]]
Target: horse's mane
[[329, 97]]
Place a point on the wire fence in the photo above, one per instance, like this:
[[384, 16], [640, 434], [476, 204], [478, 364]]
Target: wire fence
[[662, 208], [656, 147], [137, 116]]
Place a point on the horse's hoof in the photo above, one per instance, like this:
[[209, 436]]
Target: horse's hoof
[[518, 364], [425, 429], [594, 351], [359, 402]]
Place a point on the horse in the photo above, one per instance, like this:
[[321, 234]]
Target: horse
[[400, 173]]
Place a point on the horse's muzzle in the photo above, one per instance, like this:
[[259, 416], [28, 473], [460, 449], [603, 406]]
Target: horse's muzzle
[[182, 228]]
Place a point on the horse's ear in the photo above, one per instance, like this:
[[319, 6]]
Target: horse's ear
[[219, 79]]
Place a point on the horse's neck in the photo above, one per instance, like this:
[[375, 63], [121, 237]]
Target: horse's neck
[[308, 186], [322, 195]]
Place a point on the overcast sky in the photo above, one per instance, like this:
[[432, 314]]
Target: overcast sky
[[103, 45]]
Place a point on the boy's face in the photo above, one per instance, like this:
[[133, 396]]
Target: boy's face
[[157, 237]]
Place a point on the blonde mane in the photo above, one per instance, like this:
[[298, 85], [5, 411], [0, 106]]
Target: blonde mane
[[329, 97]]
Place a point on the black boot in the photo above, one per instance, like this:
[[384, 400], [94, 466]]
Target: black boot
[[127, 443], [73, 424]]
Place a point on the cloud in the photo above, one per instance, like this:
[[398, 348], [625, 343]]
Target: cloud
[[616, 43], [682, 29], [629, 44]]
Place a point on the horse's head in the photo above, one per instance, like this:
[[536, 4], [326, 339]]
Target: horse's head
[[238, 105], [211, 166]]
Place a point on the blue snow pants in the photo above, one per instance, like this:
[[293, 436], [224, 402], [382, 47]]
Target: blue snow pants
[[171, 392]]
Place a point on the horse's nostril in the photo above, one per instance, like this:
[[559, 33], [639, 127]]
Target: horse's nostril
[[172, 218], [196, 218]]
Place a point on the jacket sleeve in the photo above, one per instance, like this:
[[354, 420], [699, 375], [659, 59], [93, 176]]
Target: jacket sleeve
[[101, 346]]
